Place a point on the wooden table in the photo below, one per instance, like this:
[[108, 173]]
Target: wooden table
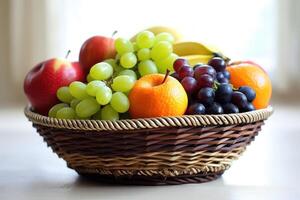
[[269, 169]]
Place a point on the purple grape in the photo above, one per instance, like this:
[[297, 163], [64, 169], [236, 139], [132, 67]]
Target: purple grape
[[218, 64], [223, 80], [249, 107], [215, 108], [206, 95], [185, 71], [189, 84], [223, 93], [204, 69], [197, 65], [226, 74], [192, 99], [239, 99], [249, 92], [220, 76], [205, 81], [230, 108], [196, 109], [179, 63], [175, 75]]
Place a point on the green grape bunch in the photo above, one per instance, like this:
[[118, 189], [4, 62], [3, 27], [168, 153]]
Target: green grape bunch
[[105, 95], [148, 54]]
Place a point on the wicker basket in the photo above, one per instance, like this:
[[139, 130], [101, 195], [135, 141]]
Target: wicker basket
[[153, 151]]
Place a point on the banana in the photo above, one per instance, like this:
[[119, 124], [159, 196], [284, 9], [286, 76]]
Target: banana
[[159, 29], [191, 48], [196, 52], [195, 59]]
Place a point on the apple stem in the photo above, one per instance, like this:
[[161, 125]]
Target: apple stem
[[114, 33], [167, 74], [68, 53]]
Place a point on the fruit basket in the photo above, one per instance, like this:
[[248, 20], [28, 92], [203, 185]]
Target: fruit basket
[[151, 151]]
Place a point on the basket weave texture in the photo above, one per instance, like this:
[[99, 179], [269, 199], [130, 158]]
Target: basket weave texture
[[152, 151]]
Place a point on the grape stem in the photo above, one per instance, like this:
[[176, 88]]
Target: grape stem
[[167, 74], [216, 85], [68, 53], [108, 82]]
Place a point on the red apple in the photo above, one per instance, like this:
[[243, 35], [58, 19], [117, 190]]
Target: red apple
[[95, 50], [42, 82]]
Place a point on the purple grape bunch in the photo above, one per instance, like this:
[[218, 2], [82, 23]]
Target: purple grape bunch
[[209, 90]]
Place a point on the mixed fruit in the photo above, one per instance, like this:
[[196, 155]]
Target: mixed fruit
[[120, 78], [209, 90]]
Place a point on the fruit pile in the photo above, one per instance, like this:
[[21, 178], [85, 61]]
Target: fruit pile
[[209, 90], [109, 82], [120, 78]]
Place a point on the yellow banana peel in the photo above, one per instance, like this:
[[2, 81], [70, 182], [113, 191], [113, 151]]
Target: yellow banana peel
[[196, 52], [191, 48], [195, 59]]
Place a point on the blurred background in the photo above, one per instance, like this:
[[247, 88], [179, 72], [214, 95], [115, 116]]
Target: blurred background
[[265, 31]]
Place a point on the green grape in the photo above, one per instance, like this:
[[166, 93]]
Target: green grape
[[108, 113], [77, 90], [127, 93], [135, 46], [89, 78], [74, 103], [125, 115], [97, 115], [52, 112], [128, 60], [87, 107], [64, 95], [120, 102], [145, 39], [101, 71], [122, 83], [66, 113], [82, 117], [117, 58], [103, 95], [161, 50], [167, 63], [123, 46], [164, 36], [112, 62], [93, 86], [147, 67], [129, 72], [144, 54], [118, 69]]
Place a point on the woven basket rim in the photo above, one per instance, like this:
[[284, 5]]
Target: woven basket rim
[[148, 123]]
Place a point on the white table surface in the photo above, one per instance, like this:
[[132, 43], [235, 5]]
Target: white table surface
[[269, 169]]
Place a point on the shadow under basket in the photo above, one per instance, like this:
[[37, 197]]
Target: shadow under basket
[[152, 151]]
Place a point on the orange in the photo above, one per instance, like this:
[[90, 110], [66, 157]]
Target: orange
[[252, 75], [151, 96]]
